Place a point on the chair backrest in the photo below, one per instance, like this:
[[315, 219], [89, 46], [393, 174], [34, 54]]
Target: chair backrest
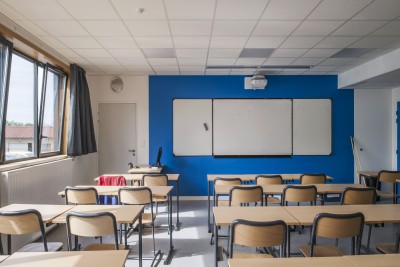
[[299, 193], [269, 179], [245, 194], [228, 181], [338, 226], [258, 234], [81, 195], [319, 178], [358, 196], [388, 176], [19, 223], [135, 195], [91, 225], [155, 180]]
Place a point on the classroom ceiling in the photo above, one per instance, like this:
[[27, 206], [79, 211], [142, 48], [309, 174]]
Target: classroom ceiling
[[186, 37]]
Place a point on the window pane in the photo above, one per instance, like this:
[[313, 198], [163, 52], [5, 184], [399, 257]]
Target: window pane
[[20, 134], [52, 115]]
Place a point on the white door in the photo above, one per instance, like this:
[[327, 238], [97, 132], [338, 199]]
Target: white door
[[117, 137]]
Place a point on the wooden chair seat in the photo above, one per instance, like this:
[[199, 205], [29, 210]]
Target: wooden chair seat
[[273, 200], [159, 199], [386, 248], [322, 251], [38, 247], [94, 247], [251, 255]]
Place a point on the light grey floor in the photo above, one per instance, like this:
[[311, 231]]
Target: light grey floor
[[192, 242]]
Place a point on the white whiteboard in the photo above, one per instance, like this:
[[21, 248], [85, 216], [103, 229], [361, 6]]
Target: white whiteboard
[[190, 138], [252, 127], [312, 126]]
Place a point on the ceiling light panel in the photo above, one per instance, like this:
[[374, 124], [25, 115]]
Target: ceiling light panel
[[256, 52], [280, 52], [159, 52], [350, 53], [318, 52]]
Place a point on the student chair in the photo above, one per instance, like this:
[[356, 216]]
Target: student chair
[[25, 222], [245, 195], [390, 178], [81, 195], [299, 194], [329, 225], [319, 178], [269, 180], [156, 180], [265, 235]]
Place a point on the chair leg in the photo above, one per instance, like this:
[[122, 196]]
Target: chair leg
[[369, 237]]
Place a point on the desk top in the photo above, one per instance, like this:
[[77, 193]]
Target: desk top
[[251, 177], [368, 173], [109, 190], [146, 169], [139, 177], [123, 213], [278, 189], [226, 215], [389, 213], [48, 212], [381, 260], [290, 262], [68, 259]]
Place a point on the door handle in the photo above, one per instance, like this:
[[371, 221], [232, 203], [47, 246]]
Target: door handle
[[131, 150]]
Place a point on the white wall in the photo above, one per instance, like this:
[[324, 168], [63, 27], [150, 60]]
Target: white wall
[[373, 127], [395, 99], [136, 90]]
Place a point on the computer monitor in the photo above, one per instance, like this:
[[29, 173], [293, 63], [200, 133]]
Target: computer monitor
[[158, 162]]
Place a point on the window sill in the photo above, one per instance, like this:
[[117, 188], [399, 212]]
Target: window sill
[[29, 163]]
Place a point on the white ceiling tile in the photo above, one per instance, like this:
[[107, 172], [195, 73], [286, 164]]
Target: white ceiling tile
[[32, 28], [239, 9], [316, 28], [301, 42], [288, 52], [162, 61], [335, 61], [128, 9], [373, 42], [190, 9], [84, 52], [336, 42], [11, 13], [62, 27], [34, 10], [233, 28], [319, 52], [192, 72], [323, 68], [174, 73], [190, 53], [308, 61], [89, 9], [126, 52], [337, 9], [66, 52], [358, 28], [148, 27], [280, 60], [89, 67], [80, 61], [113, 70], [165, 68], [80, 42], [192, 68], [117, 42], [292, 72], [217, 52], [392, 28], [289, 9], [221, 61], [52, 42], [132, 61], [139, 68], [194, 61], [105, 28], [103, 61], [191, 42], [217, 72], [250, 61], [380, 10], [264, 42], [227, 42], [154, 42], [275, 28], [190, 27]]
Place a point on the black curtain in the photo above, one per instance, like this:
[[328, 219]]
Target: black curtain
[[81, 139]]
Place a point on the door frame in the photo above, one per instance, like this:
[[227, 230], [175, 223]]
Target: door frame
[[98, 128]]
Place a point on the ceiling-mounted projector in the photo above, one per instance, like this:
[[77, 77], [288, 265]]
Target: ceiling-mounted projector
[[255, 82]]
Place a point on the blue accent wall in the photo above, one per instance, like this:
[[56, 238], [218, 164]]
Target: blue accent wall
[[193, 170]]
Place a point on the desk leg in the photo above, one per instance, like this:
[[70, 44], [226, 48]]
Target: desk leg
[[171, 247], [288, 241], [209, 206], [178, 224], [140, 241], [216, 245]]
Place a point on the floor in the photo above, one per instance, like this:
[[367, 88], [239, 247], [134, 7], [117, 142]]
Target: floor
[[192, 242]]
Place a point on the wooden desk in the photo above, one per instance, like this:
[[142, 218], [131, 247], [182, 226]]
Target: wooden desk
[[291, 262], [139, 177], [224, 216], [48, 212], [247, 178], [68, 259], [381, 260], [146, 169]]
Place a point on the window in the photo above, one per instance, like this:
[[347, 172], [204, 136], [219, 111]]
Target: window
[[34, 109]]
